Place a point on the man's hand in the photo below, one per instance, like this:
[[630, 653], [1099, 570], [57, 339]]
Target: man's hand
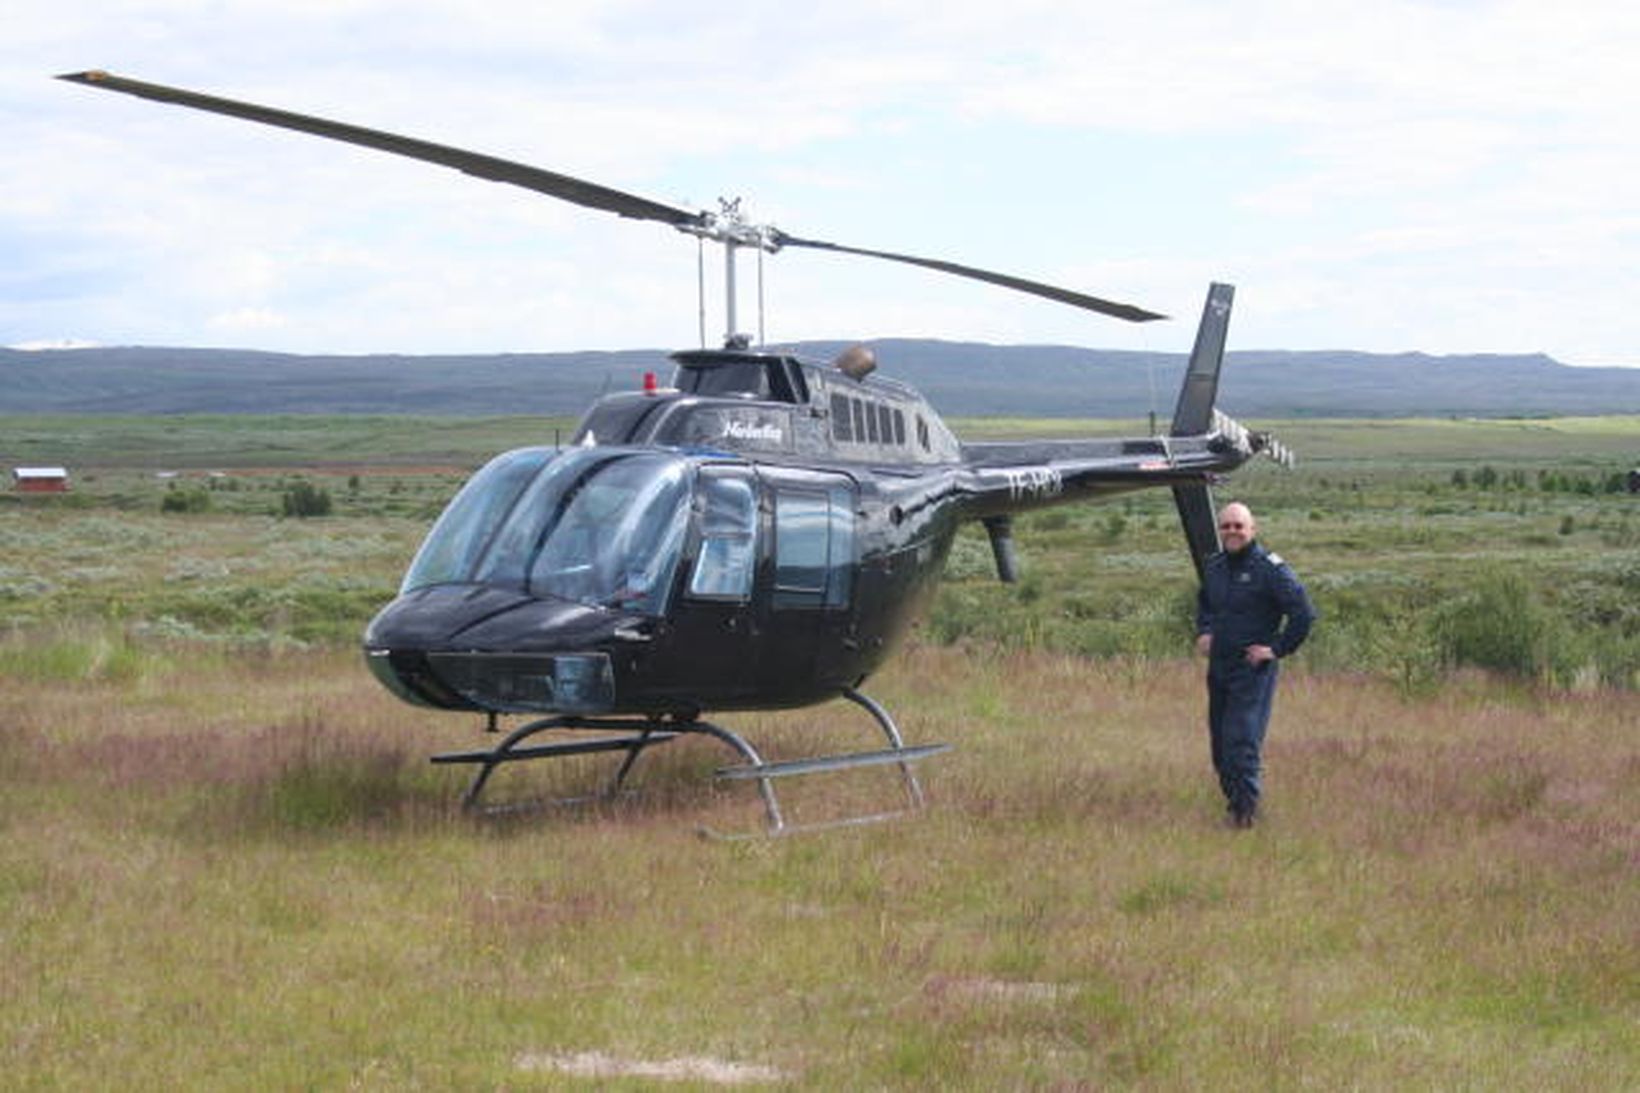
[[1260, 654], [1204, 644]]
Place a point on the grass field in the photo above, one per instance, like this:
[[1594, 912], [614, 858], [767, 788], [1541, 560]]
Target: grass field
[[245, 875], [225, 861]]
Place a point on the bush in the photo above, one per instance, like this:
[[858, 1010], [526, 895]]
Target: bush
[[1498, 624], [186, 499], [304, 499]]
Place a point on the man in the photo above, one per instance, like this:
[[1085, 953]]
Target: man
[[1251, 611]]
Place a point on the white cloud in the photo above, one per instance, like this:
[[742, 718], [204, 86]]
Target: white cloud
[[1443, 176]]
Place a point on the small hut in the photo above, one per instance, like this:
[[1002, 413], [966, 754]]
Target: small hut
[[40, 479]]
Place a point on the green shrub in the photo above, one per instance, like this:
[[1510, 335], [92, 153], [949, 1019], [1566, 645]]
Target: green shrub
[[186, 499], [304, 499], [1498, 624]]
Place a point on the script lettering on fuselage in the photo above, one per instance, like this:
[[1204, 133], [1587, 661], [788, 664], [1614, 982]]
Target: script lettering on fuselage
[[1034, 482], [764, 432]]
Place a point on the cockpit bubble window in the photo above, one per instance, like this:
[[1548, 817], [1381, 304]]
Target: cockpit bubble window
[[600, 526], [453, 547], [618, 538], [728, 520]]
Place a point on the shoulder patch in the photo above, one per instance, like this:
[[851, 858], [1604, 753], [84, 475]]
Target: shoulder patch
[[1275, 559]]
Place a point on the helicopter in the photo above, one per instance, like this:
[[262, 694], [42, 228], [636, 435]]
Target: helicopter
[[760, 533]]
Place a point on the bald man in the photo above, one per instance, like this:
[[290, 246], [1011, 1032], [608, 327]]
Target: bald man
[[1251, 611]]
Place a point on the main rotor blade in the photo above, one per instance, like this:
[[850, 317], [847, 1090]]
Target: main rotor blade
[[1036, 288], [551, 183], [577, 191]]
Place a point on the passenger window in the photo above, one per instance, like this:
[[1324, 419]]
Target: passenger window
[[899, 428], [859, 419], [842, 422], [814, 548], [885, 418], [728, 520]]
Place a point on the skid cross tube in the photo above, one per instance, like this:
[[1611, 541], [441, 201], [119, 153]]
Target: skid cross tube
[[643, 734]]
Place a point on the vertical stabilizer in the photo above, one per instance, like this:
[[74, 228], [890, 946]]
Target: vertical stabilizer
[[1194, 414], [1201, 529]]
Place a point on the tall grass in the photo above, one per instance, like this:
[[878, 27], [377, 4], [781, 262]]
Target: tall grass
[[242, 873]]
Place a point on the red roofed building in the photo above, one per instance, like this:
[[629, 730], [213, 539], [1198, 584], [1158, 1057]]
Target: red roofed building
[[40, 479]]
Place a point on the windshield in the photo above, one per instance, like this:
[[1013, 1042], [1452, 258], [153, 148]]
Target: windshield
[[599, 526]]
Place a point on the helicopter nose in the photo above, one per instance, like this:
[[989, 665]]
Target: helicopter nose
[[486, 648], [429, 618], [483, 617]]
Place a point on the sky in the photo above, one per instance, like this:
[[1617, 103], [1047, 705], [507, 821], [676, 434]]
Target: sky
[[1443, 177]]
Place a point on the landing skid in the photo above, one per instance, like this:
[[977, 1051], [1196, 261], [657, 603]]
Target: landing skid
[[636, 735], [643, 734]]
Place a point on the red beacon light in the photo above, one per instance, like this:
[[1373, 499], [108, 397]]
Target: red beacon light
[[650, 387]]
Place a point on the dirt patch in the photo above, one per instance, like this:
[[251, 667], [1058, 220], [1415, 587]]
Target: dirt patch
[[595, 1064], [1000, 990]]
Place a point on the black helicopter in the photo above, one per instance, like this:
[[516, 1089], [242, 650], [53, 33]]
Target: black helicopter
[[759, 534]]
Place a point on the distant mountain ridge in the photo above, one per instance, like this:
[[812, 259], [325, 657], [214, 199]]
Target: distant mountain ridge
[[961, 378]]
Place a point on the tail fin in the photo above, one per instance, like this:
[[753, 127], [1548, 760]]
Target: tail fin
[[1194, 414], [1201, 529]]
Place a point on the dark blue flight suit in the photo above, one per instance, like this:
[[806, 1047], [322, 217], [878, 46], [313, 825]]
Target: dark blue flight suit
[[1248, 598]]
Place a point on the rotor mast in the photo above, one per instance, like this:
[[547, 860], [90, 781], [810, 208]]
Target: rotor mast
[[730, 228]]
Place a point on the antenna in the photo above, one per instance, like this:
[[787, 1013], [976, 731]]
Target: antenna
[[700, 288]]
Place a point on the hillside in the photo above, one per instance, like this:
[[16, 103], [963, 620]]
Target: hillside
[[961, 378]]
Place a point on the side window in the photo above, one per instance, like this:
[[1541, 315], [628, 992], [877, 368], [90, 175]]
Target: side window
[[814, 547], [798, 384], [859, 419], [899, 428], [842, 420], [922, 433], [727, 514]]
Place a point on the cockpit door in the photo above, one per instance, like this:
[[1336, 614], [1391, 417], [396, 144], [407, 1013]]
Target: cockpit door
[[712, 627]]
